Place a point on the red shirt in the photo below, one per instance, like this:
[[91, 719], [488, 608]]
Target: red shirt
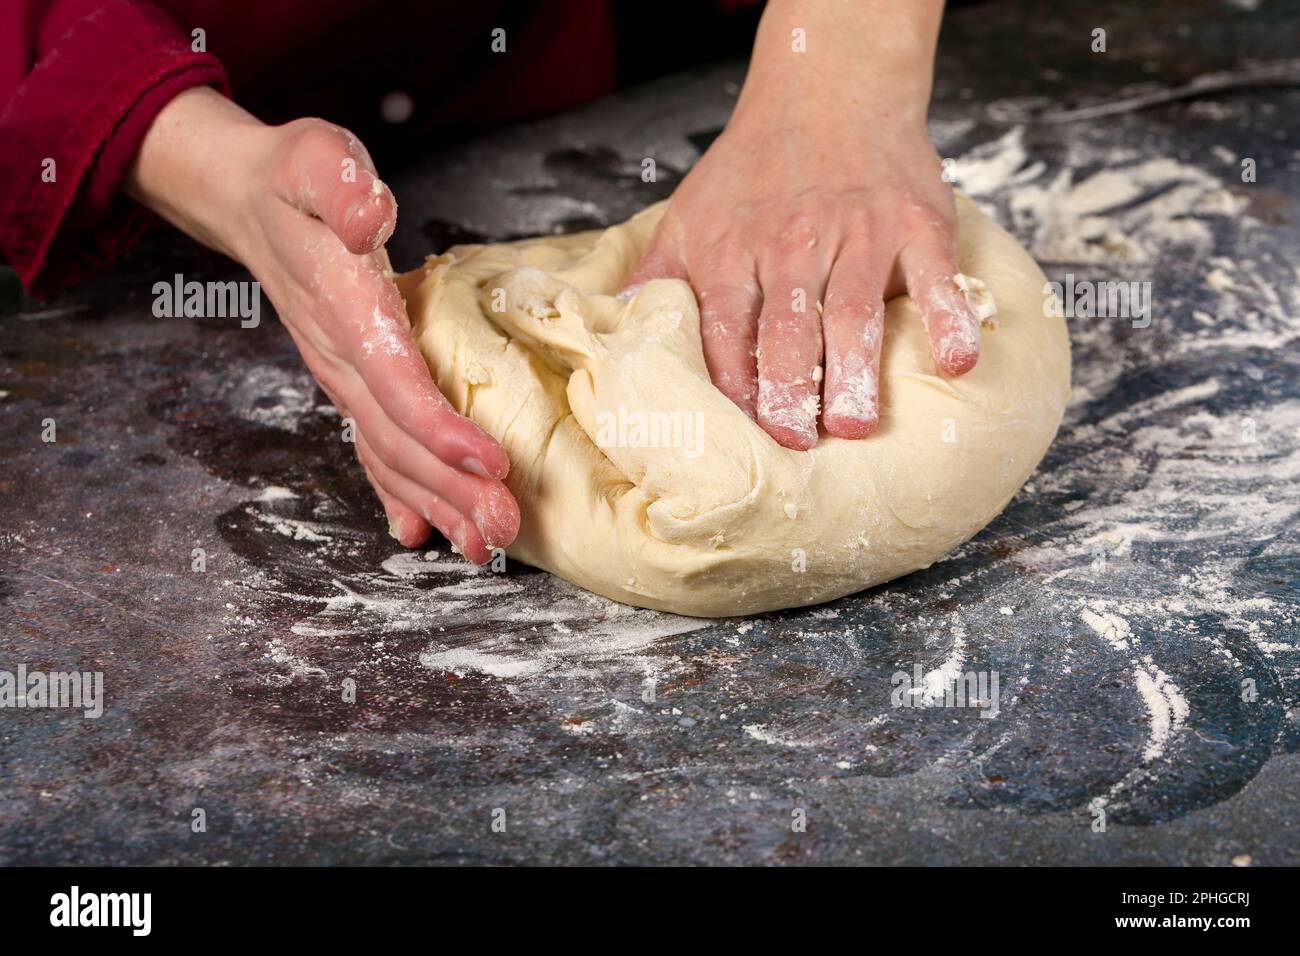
[[81, 80]]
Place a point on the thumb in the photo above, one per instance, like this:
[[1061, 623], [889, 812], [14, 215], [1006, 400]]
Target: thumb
[[327, 173]]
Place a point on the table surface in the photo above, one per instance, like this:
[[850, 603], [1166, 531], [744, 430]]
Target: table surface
[[1129, 600]]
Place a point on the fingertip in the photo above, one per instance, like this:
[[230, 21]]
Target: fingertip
[[852, 408], [416, 534], [469, 542], [509, 518], [956, 354], [796, 439], [788, 414], [498, 524], [369, 221], [406, 528], [463, 537], [852, 427], [962, 364]]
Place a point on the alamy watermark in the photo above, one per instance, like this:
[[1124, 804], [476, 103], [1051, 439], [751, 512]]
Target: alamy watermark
[[77, 690], [75, 908], [938, 688], [208, 300], [1085, 299], [633, 429]]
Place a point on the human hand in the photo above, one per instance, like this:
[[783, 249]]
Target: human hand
[[301, 207], [821, 199]]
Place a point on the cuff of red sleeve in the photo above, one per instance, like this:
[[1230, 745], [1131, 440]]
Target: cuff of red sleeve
[[86, 106]]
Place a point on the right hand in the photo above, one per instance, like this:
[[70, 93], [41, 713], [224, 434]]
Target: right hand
[[277, 199]]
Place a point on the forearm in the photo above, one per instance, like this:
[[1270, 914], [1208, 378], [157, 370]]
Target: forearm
[[194, 165], [872, 59]]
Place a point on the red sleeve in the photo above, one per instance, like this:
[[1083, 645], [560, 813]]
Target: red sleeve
[[80, 82]]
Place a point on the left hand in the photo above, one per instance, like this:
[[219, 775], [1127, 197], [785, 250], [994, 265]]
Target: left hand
[[813, 207]]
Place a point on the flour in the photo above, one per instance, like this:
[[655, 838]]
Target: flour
[[536, 626], [275, 493], [292, 528], [996, 165], [760, 733], [1199, 471], [297, 667], [1130, 211], [1166, 707], [1112, 628], [979, 299], [939, 681], [594, 636], [273, 397]]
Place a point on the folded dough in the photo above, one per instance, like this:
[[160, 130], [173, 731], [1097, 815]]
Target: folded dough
[[640, 481]]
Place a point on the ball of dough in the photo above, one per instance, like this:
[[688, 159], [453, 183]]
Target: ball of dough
[[640, 481]]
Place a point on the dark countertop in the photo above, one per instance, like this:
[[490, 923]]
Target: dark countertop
[[1130, 599]]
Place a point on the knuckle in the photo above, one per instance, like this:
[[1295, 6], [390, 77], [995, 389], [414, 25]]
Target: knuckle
[[730, 299], [312, 134], [934, 223], [382, 443], [724, 254], [857, 301], [315, 136], [797, 233]]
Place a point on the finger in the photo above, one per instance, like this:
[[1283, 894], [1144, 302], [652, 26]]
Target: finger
[[853, 325], [394, 371], [661, 260], [376, 349], [327, 173], [404, 523], [790, 353], [929, 269], [486, 502], [434, 509], [729, 306]]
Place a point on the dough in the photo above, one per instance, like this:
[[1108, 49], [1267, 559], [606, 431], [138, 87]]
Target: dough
[[640, 481]]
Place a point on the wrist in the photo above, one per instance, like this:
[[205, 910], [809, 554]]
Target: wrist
[[869, 107], [196, 167], [869, 62]]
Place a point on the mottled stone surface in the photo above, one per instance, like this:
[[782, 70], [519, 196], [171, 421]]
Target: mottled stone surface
[[1128, 600]]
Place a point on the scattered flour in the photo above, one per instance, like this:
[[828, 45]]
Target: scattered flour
[[938, 681], [1127, 212], [292, 527], [1112, 628], [275, 493], [1166, 706], [274, 397], [760, 733]]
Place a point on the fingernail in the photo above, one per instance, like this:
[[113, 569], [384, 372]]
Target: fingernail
[[351, 213], [475, 467], [395, 529], [380, 229]]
